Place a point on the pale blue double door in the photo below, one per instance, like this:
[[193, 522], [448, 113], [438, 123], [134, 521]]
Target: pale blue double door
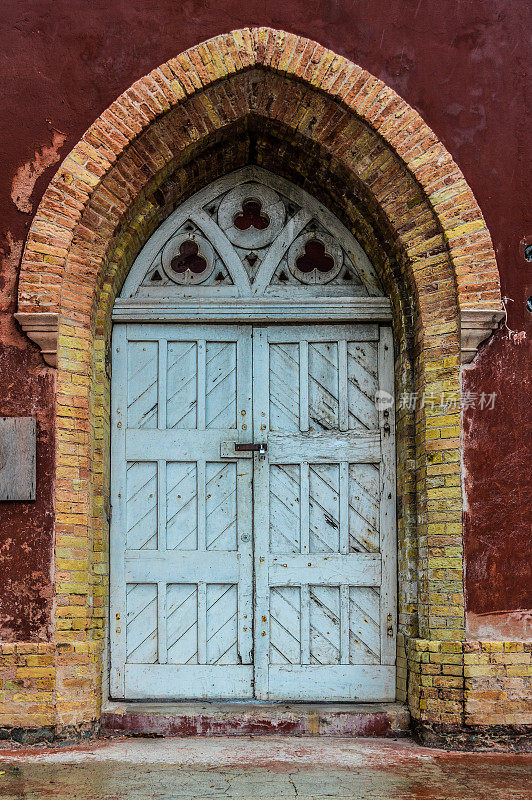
[[237, 573]]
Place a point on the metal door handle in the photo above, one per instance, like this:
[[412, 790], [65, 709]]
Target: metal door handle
[[259, 447]]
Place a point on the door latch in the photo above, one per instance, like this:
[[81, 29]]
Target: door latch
[[259, 447], [242, 449]]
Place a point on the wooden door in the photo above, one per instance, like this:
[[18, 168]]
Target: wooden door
[[324, 513], [285, 591], [181, 543]]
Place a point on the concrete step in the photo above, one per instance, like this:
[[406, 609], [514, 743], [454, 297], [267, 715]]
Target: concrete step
[[253, 718]]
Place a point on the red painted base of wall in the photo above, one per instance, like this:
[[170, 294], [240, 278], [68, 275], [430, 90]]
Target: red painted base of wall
[[250, 719]]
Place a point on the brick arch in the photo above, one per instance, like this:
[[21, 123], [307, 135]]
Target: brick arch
[[340, 131], [129, 123]]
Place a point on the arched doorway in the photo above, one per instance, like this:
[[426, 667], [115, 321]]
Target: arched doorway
[[253, 541], [264, 97]]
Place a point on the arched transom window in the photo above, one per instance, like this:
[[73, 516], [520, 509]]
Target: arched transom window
[[250, 234]]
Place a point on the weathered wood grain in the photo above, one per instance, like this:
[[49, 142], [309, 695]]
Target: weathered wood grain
[[17, 458]]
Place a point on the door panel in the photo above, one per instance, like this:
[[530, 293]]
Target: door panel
[[285, 591], [324, 514], [181, 558]]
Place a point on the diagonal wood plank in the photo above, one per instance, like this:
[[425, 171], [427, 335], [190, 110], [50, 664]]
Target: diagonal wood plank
[[141, 623], [284, 508], [220, 506], [142, 365], [323, 385], [220, 400], [181, 385], [364, 508], [284, 387], [182, 623], [285, 625], [181, 506], [364, 625], [324, 508], [221, 625], [324, 625], [141, 505], [362, 385]]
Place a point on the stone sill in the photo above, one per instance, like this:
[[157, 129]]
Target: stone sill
[[254, 718]]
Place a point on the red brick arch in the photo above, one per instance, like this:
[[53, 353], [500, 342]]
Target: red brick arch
[[334, 126]]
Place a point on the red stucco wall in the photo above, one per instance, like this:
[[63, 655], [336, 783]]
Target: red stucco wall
[[462, 65]]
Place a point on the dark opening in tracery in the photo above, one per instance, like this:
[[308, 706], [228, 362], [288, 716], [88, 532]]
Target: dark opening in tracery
[[188, 258], [251, 216], [314, 257]]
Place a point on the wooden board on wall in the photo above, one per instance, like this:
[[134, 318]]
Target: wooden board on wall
[[17, 458]]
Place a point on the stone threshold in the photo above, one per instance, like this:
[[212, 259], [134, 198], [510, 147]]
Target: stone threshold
[[247, 718]]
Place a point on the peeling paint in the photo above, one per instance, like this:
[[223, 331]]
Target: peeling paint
[[26, 529], [26, 176], [497, 486], [213, 719], [500, 625], [517, 337]]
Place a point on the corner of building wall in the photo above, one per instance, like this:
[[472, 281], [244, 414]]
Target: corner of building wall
[[472, 694], [401, 669], [49, 691]]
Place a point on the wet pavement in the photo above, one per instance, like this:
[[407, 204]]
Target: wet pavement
[[266, 768]]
